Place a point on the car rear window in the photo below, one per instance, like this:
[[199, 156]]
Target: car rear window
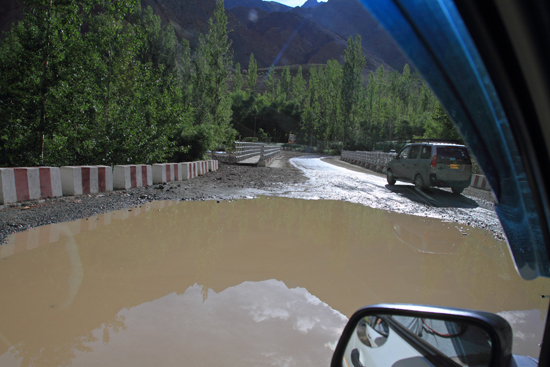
[[453, 155]]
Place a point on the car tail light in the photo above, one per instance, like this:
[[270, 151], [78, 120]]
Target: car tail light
[[434, 162]]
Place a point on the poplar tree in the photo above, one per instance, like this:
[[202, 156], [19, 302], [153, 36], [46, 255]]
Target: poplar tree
[[212, 64], [237, 78], [252, 76], [351, 82], [286, 82], [299, 87]]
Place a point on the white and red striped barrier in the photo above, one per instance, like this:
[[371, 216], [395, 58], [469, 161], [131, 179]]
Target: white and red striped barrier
[[480, 182], [29, 183], [212, 165], [202, 167], [131, 176], [188, 170], [166, 172], [78, 180]]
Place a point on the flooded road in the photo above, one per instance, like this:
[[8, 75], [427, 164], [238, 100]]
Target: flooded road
[[267, 282], [331, 182]]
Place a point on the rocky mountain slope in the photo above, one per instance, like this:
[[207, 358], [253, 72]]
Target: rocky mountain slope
[[348, 18]]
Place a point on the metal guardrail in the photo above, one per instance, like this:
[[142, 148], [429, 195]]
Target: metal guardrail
[[249, 150], [270, 151], [375, 160]]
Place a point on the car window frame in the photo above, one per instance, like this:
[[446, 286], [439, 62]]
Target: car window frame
[[407, 148]]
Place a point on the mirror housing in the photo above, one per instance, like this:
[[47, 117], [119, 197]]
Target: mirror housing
[[378, 330]]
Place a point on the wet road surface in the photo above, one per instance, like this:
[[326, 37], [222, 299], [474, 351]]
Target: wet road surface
[[328, 181], [264, 282]]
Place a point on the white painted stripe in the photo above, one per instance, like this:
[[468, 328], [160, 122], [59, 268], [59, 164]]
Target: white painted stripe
[[8, 194], [33, 176]]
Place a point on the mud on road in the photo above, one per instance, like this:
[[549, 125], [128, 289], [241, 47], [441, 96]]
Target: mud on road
[[294, 175]]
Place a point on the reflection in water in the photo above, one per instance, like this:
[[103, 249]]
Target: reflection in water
[[73, 286]]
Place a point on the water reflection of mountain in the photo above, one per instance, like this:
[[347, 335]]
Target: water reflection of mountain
[[345, 254]]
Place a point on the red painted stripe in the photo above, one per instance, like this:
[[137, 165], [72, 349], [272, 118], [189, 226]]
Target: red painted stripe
[[176, 172], [133, 179], [21, 184], [168, 172], [45, 183], [102, 179], [144, 181], [194, 170], [85, 180], [476, 179]]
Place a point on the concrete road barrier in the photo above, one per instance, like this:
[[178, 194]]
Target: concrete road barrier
[[202, 167], [29, 183], [212, 165], [480, 182], [166, 172], [188, 170], [78, 180], [129, 176]]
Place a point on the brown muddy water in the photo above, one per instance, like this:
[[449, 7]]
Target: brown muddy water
[[264, 282]]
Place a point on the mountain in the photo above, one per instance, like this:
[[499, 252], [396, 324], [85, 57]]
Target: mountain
[[310, 4], [270, 6], [348, 18], [189, 17], [282, 37]]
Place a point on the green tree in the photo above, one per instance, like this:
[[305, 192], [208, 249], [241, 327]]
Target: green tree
[[286, 83], [252, 75], [299, 87], [211, 99], [237, 78], [351, 82], [440, 126]]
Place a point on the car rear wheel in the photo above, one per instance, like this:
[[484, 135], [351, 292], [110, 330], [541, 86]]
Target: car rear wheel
[[391, 179], [419, 182], [457, 190]]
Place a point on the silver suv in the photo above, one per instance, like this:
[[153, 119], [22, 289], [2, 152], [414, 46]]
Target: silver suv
[[432, 164]]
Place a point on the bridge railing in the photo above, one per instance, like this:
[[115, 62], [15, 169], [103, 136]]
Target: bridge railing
[[374, 160], [247, 150], [270, 151]]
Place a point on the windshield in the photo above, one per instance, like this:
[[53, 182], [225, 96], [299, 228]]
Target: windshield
[[447, 154], [217, 181]]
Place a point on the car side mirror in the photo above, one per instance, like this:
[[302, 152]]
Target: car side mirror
[[412, 335]]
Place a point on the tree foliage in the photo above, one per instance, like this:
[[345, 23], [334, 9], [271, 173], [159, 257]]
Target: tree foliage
[[102, 82]]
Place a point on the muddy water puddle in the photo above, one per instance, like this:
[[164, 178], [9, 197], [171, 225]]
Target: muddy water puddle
[[266, 282]]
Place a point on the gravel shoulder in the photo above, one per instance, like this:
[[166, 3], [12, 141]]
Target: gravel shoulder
[[228, 182]]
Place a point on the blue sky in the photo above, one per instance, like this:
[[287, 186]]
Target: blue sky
[[292, 3]]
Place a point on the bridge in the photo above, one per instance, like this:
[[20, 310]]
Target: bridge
[[251, 154]]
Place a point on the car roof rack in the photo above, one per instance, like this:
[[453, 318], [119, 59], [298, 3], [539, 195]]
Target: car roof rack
[[448, 141]]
